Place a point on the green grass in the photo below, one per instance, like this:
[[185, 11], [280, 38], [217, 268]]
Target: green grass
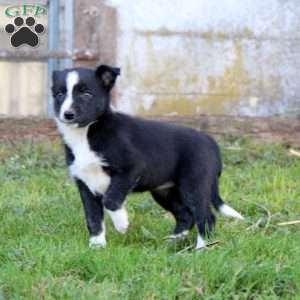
[[44, 250]]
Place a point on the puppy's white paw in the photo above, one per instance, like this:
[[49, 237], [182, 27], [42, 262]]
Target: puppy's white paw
[[179, 236], [120, 219], [200, 242], [98, 241]]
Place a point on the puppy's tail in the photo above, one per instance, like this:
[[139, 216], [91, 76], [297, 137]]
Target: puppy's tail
[[223, 208], [228, 211]]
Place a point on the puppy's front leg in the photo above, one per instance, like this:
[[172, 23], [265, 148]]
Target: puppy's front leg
[[115, 197], [94, 213]]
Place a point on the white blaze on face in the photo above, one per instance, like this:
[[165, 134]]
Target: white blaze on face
[[71, 80]]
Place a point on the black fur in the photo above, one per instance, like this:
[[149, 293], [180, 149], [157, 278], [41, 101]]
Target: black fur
[[93, 208], [143, 155]]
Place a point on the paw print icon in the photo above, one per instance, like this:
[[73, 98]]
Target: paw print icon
[[24, 33]]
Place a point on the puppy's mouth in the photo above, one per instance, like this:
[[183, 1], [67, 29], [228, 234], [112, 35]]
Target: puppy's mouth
[[71, 123], [76, 123], [68, 121]]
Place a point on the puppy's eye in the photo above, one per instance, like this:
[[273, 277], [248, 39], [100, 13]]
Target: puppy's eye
[[59, 96], [86, 96]]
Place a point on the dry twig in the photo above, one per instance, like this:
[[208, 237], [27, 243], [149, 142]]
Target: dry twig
[[294, 152], [209, 245], [289, 223], [256, 224]]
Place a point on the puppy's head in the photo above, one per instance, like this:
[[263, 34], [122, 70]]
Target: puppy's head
[[82, 95]]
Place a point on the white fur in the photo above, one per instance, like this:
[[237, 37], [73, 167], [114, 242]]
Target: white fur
[[87, 165], [120, 219], [200, 242], [180, 235], [226, 210], [71, 80], [98, 240], [113, 108]]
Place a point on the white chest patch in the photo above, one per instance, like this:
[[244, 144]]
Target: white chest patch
[[87, 165]]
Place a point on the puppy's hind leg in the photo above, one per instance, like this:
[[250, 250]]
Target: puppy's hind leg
[[170, 200], [197, 195]]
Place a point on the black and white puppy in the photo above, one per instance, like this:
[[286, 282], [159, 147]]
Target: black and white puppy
[[110, 154]]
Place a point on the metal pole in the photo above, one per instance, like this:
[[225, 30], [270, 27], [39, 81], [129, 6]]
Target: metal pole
[[53, 44]]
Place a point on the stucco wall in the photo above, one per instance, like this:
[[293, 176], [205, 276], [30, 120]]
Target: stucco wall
[[208, 56]]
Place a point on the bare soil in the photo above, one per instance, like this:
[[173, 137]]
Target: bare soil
[[277, 130]]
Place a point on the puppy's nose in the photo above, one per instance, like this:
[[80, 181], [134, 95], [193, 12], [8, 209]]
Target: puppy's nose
[[69, 115]]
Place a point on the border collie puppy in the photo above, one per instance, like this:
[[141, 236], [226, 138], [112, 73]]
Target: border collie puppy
[[110, 154]]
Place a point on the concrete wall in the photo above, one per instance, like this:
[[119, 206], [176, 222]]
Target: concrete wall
[[208, 56]]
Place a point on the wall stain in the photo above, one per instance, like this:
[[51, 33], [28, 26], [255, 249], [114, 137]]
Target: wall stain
[[223, 93], [245, 33]]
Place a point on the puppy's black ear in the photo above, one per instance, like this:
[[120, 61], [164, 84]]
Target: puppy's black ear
[[107, 76]]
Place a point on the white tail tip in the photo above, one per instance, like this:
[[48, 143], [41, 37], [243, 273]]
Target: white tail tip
[[228, 211]]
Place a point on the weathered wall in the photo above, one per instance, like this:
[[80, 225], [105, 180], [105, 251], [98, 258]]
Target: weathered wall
[[23, 84], [209, 56], [96, 29]]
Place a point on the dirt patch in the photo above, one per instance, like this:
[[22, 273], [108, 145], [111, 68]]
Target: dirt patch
[[279, 130], [15, 129], [266, 130]]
